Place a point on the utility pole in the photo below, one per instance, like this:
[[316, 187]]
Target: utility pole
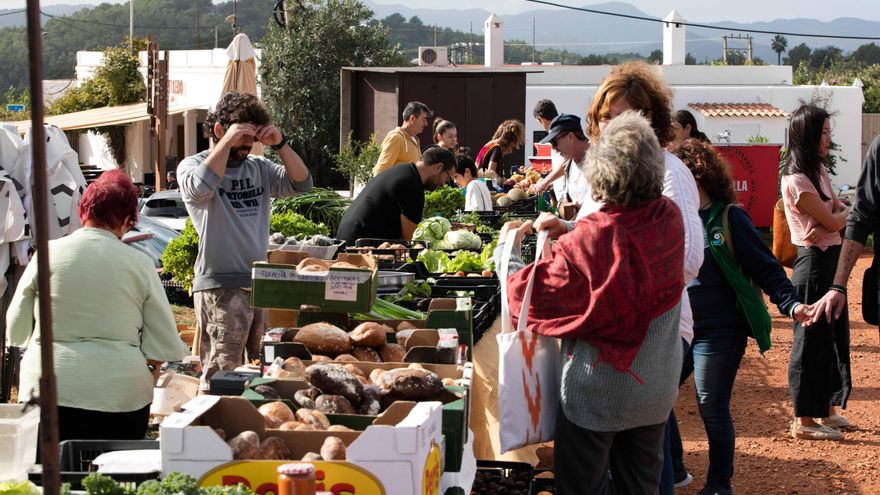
[[215, 36], [533, 40], [198, 28]]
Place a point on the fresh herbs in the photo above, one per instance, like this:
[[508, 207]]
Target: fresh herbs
[[320, 205], [444, 201], [294, 224]]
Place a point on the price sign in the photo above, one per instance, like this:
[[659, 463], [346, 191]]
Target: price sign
[[341, 286]]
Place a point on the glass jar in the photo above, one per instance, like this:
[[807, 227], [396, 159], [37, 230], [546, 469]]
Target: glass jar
[[296, 479]]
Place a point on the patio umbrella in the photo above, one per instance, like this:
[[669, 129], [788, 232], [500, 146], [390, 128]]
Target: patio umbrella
[[241, 73]]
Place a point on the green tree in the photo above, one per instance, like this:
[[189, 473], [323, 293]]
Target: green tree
[[825, 57], [690, 59], [300, 74], [116, 82], [656, 56], [799, 54], [868, 54], [779, 44]]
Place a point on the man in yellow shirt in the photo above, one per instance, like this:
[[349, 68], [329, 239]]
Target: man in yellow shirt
[[401, 145]]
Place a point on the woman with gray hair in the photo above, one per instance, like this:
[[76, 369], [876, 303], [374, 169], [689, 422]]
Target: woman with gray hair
[[621, 351]]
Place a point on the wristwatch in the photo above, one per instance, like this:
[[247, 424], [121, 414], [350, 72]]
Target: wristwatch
[[280, 144]]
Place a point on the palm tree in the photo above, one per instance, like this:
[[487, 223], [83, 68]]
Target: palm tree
[[779, 44]]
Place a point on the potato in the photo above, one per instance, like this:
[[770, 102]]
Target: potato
[[274, 449], [333, 449], [334, 404], [245, 445], [392, 353], [366, 354], [334, 379], [369, 334], [410, 384], [276, 413], [323, 338]]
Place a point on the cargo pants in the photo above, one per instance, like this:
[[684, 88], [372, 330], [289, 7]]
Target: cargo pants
[[229, 329]]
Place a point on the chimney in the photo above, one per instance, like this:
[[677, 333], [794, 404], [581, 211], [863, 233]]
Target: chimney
[[494, 56], [674, 50]]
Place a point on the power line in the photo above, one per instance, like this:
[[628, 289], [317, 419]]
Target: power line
[[13, 12], [113, 25], [704, 26]]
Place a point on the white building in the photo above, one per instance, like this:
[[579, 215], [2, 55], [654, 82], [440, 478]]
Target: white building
[[708, 92]]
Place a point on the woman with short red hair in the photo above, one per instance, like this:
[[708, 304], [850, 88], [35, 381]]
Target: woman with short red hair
[[110, 317]]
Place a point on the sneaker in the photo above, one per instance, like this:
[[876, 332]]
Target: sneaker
[[683, 480], [818, 432], [715, 490], [833, 421]]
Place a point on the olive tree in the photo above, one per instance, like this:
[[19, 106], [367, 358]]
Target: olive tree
[[300, 73]]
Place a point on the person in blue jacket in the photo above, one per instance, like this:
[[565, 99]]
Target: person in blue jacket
[[727, 307]]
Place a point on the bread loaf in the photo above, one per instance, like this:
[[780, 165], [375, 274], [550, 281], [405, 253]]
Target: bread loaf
[[333, 449], [245, 445], [405, 325], [313, 265], [313, 417], [318, 358], [312, 457], [392, 353], [306, 397], [274, 449], [339, 428], [371, 405], [267, 392], [343, 358], [403, 335], [410, 384], [276, 414], [376, 375], [366, 354], [289, 426], [369, 334], [334, 379], [323, 338], [295, 367], [334, 404]]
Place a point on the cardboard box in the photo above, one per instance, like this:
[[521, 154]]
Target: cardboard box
[[277, 285], [454, 313], [281, 318], [455, 403], [401, 450]]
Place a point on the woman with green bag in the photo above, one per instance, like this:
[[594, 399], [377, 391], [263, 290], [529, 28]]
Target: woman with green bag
[[726, 305]]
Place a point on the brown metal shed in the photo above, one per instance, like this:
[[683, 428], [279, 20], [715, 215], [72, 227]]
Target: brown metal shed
[[476, 99]]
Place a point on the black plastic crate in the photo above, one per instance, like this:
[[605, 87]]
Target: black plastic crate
[[77, 456], [511, 478]]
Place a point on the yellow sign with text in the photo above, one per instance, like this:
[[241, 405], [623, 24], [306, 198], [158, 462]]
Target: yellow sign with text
[[432, 473], [338, 478]]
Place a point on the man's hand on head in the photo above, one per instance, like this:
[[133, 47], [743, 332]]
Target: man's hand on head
[[268, 135], [237, 131]]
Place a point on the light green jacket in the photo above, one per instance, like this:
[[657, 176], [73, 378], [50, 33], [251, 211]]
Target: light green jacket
[[110, 314]]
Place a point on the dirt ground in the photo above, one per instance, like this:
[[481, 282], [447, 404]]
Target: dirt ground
[[768, 461]]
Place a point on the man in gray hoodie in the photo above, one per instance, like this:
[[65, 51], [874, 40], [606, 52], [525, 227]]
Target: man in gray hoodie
[[227, 193]]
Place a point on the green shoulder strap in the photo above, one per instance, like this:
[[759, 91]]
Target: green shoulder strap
[[748, 301]]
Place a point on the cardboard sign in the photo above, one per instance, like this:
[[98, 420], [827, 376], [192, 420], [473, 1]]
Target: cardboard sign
[[341, 286], [338, 478], [755, 179]]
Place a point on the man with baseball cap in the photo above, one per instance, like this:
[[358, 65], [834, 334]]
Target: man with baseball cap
[[568, 139]]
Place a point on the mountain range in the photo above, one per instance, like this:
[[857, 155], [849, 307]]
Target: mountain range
[[585, 33], [8, 19]]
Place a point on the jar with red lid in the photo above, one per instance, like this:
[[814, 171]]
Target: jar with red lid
[[296, 479]]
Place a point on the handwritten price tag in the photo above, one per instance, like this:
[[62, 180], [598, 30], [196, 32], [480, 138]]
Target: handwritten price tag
[[341, 286]]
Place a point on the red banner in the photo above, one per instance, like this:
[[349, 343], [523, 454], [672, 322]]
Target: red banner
[[755, 179]]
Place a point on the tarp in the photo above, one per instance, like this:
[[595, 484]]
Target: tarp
[[97, 117]]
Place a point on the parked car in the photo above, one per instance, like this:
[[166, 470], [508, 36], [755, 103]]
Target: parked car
[[151, 237], [166, 207]]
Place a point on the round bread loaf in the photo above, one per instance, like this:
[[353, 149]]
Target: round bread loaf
[[369, 334], [295, 367], [334, 379], [343, 358], [371, 405], [392, 353], [410, 384], [405, 325], [245, 445], [289, 426], [313, 417], [274, 449], [267, 392], [333, 404], [313, 265], [366, 354], [323, 338], [306, 397], [276, 414], [333, 449]]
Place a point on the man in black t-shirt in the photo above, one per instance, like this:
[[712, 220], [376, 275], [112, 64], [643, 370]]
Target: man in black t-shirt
[[391, 204]]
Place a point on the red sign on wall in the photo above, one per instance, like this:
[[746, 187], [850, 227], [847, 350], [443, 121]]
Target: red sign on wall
[[755, 179]]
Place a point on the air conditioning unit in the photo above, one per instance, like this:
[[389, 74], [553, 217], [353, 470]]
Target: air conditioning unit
[[433, 56]]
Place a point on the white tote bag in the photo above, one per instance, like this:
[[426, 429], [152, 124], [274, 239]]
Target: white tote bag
[[529, 370]]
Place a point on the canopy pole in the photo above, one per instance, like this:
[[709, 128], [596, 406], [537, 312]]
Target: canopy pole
[[48, 393]]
